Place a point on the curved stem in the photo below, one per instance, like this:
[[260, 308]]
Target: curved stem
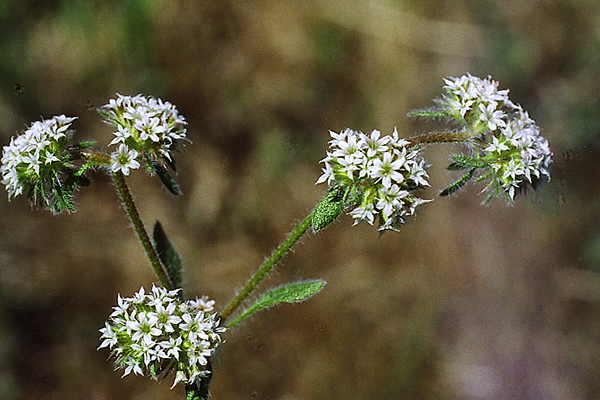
[[267, 266], [138, 225]]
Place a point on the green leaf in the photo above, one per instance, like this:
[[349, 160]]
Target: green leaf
[[83, 145], [328, 209], [458, 184], [485, 176], [166, 178], [464, 162], [293, 292], [432, 113], [167, 254]]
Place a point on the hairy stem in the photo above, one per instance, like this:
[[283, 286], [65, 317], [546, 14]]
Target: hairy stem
[[138, 225], [267, 266], [96, 158], [440, 137]]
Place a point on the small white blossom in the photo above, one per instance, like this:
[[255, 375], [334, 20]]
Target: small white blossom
[[124, 159], [387, 169], [491, 116], [519, 154], [365, 212], [469, 99]]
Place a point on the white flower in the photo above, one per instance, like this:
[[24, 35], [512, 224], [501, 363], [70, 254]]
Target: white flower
[[109, 335], [124, 159], [497, 145], [172, 347], [418, 172], [328, 174], [131, 365], [509, 140], [365, 212], [166, 317], [349, 147], [388, 169], [390, 200], [374, 144], [143, 328], [491, 116], [202, 304], [518, 154]]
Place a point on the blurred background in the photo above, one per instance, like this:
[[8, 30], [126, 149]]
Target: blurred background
[[465, 302]]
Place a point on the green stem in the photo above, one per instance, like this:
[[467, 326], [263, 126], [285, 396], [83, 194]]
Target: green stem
[[267, 266], [138, 225]]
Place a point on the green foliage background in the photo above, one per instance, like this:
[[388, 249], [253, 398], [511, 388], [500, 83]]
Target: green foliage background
[[466, 302]]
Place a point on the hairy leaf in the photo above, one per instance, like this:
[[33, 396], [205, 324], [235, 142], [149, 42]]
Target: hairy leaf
[[290, 293], [458, 184], [432, 113], [167, 254], [464, 162], [166, 178]]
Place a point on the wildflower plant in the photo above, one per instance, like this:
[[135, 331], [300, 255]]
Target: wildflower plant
[[375, 178]]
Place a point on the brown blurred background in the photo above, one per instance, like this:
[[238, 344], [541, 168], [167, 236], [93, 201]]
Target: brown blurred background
[[466, 302]]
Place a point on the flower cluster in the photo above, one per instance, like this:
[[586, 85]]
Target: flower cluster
[[519, 154], [147, 129], [37, 163], [476, 103], [377, 174], [154, 334], [507, 140]]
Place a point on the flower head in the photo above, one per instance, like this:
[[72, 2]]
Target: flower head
[[155, 334], [376, 175], [149, 127], [475, 102], [38, 163], [509, 149]]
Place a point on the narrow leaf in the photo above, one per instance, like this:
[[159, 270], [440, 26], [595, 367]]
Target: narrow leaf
[[290, 293], [83, 145], [464, 162], [456, 166], [167, 254], [458, 184], [166, 178], [484, 177], [427, 114]]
